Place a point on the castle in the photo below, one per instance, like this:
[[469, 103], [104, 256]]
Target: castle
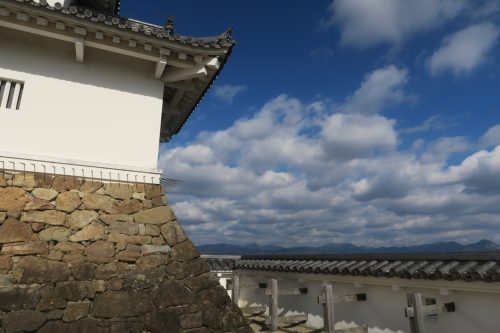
[[88, 242]]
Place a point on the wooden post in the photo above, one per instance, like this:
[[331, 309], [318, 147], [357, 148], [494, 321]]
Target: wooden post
[[329, 317], [415, 313], [273, 305], [236, 289]]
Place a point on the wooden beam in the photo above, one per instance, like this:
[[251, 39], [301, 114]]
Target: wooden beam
[[175, 75], [186, 86], [236, 289], [160, 66], [213, 63], [273, 306], [328, 308], [415, 313], [80, 49]]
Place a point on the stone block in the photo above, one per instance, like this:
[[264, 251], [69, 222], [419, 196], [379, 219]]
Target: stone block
[[155, 249], [19, 298], [52, 217], [37, 227], [158, 215], [68, 202], [89, 186], [82, 325], [184, 251], [110, 270], [67, 247], [100, 252], [45, 194], [129, 206], [83, 272], [65, 183], [12, 231], [173, 233], [163, 320], [115, 284], [172, 293], [76, 311], [191, 320], [127, 239], [12, 198], [111, 218], [79, 290], [101, 203], [151, 230], [81, 218], [26, 248], [127, 228], [159, 201], [92, 232], [51, 303], [138, 280], [54, 255], [25, 180], [3, 216], [74, 258], [58, 234], [152, 261], [119, 304], [119, 191], [6, 280], [39, 204], [24, 321], [39, 270], [5, 264], [43, 180]]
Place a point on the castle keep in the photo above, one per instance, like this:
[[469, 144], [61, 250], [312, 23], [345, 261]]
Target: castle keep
[[88, 242]]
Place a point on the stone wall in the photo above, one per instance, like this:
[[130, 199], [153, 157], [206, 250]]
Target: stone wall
[[83, 256]]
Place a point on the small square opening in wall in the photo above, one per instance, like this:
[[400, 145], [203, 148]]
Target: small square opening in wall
[[11, 92]]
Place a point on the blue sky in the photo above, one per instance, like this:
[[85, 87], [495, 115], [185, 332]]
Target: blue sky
[[366, 121]]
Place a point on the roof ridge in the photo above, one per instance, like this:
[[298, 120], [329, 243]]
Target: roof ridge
[[167, 32]]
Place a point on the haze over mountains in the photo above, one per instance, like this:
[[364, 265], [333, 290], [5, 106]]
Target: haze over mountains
[[231, 249]]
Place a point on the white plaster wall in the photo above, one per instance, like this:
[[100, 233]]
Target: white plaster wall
[[383, 311], [106, 110]]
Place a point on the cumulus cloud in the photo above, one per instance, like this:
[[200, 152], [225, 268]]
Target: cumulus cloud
[[478, 173], [380, 89], [491, 137], [227, 93], [366, 23], [354, 136], [314, 173], [465, 50]]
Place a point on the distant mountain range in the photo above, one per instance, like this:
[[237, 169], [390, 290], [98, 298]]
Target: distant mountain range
[[343, 248]]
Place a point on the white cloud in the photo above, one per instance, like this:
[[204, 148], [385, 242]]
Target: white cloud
[[491, 137], [354, 136], [366, 23], [479, 173], [227, 93], [465, 50], [435, 122], [325, 174], [379, 89]]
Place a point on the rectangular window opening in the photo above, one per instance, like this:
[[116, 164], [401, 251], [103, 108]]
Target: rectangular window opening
[[11, 93]]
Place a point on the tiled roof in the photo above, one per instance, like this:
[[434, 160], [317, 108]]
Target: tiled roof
[[166, 33], [465, 267], [221, 263]]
